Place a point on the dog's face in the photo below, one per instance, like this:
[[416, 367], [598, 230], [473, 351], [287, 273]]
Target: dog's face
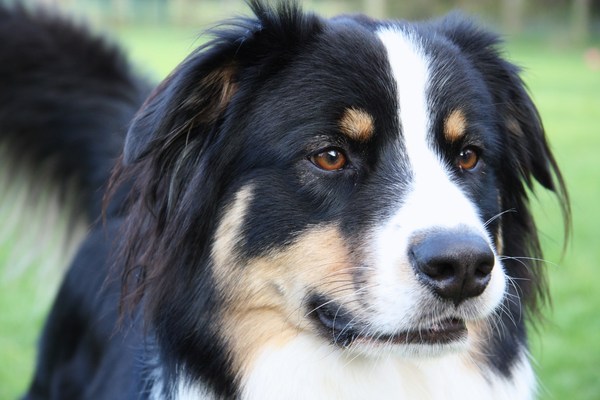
[[351, 181], [361, 193]]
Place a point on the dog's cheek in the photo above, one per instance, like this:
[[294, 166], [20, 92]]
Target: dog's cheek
[[264, 297]]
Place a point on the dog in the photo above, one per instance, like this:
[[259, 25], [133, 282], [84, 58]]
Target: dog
[[305, 208]]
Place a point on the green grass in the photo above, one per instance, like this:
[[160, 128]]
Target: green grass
[[568, 95]]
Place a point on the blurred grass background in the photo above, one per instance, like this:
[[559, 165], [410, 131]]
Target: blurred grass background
[[559, 50]]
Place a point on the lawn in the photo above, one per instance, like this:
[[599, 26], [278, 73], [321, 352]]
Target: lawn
[[567, 347], [568, 95]]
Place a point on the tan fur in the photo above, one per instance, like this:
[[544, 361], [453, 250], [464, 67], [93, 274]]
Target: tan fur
[[455, 126], [216, 90], [479, 336], [229, 227], [513, 126], [500, 241], [229, 87], [357, 124], [266, 294]]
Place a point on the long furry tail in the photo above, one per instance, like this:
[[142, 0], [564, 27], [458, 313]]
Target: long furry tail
[[66, 99]]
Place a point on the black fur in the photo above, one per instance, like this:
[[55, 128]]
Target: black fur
[[62, 90], [248, 106]]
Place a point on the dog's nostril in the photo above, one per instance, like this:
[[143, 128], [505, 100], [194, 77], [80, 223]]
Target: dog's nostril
[[442, 271], [456, 265], [485, 268], [439, 269]]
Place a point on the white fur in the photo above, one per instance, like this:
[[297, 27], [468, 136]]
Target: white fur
[[192, 391], [433, 201], [183, 390], [307, 368]]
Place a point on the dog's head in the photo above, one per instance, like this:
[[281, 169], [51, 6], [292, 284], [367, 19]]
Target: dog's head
[[360, 183]]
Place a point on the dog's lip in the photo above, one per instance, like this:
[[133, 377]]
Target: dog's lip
[[445, 331], [345, 331]]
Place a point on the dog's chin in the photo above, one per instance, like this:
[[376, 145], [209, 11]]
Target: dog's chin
[[443, 336]]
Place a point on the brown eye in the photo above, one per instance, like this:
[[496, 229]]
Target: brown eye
[[329, 160], [467, 159]]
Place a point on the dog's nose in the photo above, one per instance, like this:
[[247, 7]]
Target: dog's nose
[[456, 265]]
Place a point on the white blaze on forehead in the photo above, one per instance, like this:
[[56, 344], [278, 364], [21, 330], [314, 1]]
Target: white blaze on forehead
[[439, 201], [411, 72]]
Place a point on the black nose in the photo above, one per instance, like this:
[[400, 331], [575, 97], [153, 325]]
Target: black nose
[[456, 265]]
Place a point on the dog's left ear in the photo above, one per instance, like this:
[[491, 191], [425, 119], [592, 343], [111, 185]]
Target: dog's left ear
[[523, 128], [518, 116]]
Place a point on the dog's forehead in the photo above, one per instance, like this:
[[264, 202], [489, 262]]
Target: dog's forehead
[[347, 62], [357, 70]]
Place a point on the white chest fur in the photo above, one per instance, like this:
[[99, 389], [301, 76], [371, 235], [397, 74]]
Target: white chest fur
[[305, 369]]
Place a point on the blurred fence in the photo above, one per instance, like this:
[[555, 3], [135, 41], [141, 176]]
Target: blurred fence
[[577, 19]]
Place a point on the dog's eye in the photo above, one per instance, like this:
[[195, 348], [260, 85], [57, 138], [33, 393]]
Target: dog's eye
[[468, 158], [330, 159]]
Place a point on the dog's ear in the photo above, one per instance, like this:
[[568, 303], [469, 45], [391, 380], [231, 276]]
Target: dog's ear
[[518, 116], [193, 97]]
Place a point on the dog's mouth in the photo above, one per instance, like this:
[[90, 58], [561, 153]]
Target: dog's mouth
[[345, 330]]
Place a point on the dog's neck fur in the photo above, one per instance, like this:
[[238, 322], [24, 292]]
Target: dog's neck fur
[[307, 368]]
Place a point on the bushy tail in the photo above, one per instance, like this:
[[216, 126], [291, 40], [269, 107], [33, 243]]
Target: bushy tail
[[66, 99]]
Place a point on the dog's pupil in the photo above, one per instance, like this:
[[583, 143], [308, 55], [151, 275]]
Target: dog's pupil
[[332, 156]]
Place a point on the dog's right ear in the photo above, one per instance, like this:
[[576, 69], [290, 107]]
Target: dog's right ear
[[192, 98], [195, 96]]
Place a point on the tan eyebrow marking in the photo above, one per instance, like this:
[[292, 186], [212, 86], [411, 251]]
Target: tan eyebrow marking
[[357, 124], [455, 126]]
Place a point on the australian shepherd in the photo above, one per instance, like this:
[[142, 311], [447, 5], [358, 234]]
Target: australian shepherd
[[305, 208]]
